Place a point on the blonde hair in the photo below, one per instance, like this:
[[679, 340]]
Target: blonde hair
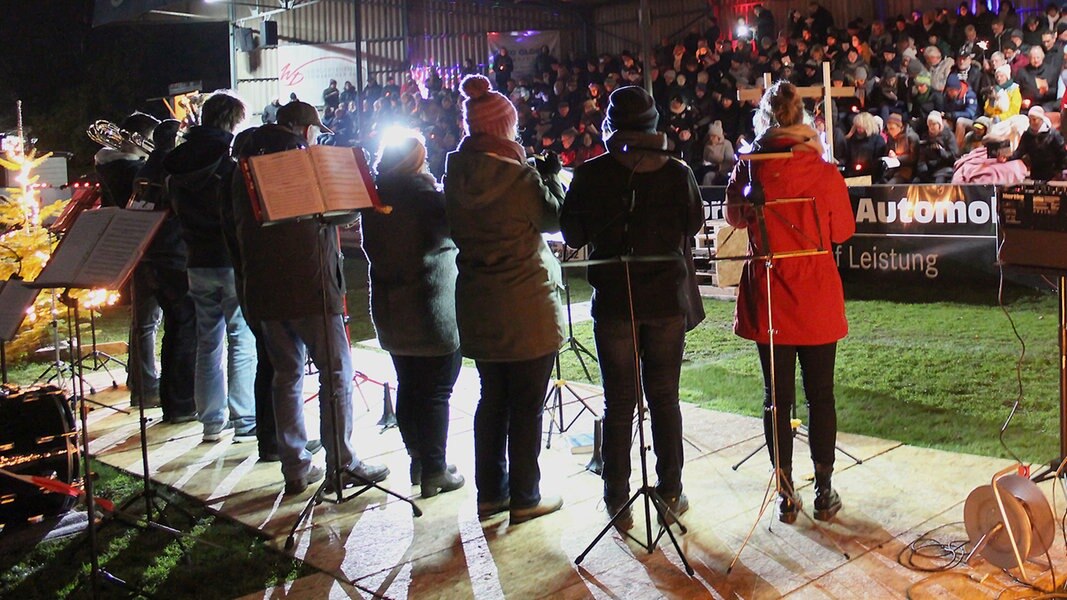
[[781, 106], [866, 122]]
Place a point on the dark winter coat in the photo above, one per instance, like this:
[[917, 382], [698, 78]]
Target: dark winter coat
[[508, 292], [640, 202], [200, 171], [283, 263], [412, 268], [809, 302], [1045, 153], [116, 172], [167, 249]]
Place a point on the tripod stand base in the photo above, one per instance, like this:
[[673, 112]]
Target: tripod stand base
[[339, 497], [664, 515]]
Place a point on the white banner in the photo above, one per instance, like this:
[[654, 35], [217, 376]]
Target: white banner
[[307, 70], [523, 47]]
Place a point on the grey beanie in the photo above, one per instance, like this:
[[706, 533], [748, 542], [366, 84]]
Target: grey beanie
[[631, 109]]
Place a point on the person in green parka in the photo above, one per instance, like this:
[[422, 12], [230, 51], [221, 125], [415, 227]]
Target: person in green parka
[[508, 305]]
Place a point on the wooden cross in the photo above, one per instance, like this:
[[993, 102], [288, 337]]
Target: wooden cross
[[826, 91]]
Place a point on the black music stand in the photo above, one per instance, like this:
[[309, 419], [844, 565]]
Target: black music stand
[[264, 198], [335, 477], [15, 299], [665, 515], [805, 245], [99, 359], [554, 398], [100, 251]]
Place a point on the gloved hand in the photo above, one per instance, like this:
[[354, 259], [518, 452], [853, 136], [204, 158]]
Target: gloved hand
[[548, 164]]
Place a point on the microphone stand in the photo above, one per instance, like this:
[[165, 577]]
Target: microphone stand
[[652, 499]]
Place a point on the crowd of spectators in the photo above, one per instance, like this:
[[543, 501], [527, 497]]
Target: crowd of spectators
[[928, 89]]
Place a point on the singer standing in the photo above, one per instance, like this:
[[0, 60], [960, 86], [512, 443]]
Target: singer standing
[[637, 200], [807, 300], [507, 296]]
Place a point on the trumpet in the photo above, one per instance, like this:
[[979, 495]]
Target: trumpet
[[110, 135]]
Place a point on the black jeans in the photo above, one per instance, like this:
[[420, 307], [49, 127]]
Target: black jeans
[[154, 290], [266, 428], [423, 389], [507, 430], [817, 371], [660, 342]]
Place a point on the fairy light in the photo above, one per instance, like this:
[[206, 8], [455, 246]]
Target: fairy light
[[99, 298]]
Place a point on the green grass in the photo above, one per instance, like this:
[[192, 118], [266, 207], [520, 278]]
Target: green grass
[[153, 561], [931, 373]]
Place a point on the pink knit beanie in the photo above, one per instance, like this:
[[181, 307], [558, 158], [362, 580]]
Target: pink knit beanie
[[486, 111]]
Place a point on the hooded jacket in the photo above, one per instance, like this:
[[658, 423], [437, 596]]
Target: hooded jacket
[[200, 171], [116, 171], [808, 298], [636, 200], [412, 268], [283, 263], [507, 295]]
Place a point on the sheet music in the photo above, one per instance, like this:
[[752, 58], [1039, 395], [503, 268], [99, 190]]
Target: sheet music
[[286, 185], [72, 252], [340, 179], [15, 298], [119, 249]]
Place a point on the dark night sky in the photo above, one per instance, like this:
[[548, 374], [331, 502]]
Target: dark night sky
[[66, 72]]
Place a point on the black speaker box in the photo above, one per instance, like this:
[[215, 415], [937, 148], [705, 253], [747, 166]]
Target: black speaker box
[[269, 34]]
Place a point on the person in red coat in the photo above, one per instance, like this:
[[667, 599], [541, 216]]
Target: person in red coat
[[807, 304]]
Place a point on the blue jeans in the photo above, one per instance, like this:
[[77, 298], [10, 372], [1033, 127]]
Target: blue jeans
[[507, 430], [660, 342], [288, 345], [219, 321], [155, 289]]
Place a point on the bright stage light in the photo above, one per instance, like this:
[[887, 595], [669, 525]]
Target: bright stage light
[[396, 135]]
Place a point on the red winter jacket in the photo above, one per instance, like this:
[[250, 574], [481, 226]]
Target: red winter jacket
[[808, 300]]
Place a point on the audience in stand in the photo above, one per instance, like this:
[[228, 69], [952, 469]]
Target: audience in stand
[[959, 65]]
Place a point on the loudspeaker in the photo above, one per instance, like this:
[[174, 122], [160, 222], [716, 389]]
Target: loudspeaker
[[269, 34], [243, 39]]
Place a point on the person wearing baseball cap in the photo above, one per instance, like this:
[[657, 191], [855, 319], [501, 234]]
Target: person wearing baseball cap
[[294, 296], [298, 114]]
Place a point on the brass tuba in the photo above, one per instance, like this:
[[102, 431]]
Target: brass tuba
[[110, 135]]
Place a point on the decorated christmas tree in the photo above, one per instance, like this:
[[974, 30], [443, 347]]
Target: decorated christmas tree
[[25, 243]]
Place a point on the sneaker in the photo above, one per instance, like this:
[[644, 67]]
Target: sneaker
[[313, 446], [445, 481], [547, 505], [216, 433], [678, 505], [489, 508], [247, 436], [360, 474], [788, 508], [298, 485], [625, 520]]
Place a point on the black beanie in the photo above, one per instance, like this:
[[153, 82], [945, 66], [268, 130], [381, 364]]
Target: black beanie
[[631, 109]]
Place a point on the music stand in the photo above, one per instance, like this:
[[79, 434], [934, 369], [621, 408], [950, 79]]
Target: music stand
[[275, 201], [15, 299], [666, 516], [98, 358], [100, 251], [804, 245], [554, 398]]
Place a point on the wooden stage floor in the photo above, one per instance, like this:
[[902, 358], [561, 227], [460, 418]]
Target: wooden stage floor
[[372, 545]]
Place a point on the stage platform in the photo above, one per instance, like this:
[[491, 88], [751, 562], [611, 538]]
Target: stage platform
[[373, 546]]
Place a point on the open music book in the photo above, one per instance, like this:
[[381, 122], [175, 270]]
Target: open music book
[[319, 180], [15, 298], [101, 249]]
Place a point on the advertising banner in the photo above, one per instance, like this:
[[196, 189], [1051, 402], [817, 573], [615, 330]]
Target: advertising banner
[[921, 232], [306, 70], [916, 233], [523, 47]]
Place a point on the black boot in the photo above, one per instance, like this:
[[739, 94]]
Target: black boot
[[827, 502], [788, 500]]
